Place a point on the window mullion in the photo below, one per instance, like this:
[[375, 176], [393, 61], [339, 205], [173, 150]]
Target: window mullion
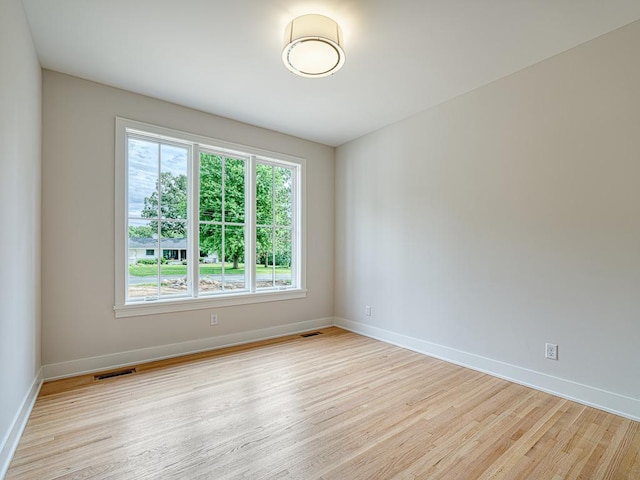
[[159, 229], [193, 221], [250, 225], [294, 228], [298, 227], [223, 229], [273, 225]]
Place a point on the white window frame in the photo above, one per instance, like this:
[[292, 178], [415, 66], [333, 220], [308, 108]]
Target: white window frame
[[123, 308]]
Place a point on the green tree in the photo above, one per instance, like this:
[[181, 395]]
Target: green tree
[[213, 170], [222, 197], [270, 214], [173, 205], [142, 231]]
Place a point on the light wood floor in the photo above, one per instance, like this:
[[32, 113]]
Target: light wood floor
[[332, 406]]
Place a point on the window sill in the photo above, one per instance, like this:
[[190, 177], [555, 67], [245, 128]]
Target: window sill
[[183, 305]]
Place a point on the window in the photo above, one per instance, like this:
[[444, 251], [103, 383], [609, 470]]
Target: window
[[203, 223]]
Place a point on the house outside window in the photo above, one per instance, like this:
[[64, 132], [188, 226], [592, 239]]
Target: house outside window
[[203, 223]]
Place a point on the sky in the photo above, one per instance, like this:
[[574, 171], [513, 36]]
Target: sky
[[145, 157]]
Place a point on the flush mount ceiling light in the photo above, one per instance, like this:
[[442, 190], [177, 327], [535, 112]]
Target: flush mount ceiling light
[[313, 46]]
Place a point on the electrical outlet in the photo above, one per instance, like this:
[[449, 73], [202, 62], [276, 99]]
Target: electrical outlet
[[214, 319], [551, 351], [367, 310]]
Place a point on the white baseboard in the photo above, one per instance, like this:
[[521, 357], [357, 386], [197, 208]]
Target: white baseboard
[[116, 360], [594, 397], [12, 437]]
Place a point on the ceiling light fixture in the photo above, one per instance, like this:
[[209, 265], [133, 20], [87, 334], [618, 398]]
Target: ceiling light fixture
[[313, 46]]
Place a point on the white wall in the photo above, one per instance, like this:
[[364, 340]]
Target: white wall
[[506, 218], [78, 232], [20, 118]]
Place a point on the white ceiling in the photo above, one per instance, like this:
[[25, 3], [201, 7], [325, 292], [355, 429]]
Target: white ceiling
[[223, 57]]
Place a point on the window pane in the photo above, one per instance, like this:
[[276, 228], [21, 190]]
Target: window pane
[[264, 257], [284, 185], [283, 255], [264, 197], [173, 181], [210, 187], [234, 254], [234, 190], [210, 258], [173, 265], [142, 260], [143, 158]]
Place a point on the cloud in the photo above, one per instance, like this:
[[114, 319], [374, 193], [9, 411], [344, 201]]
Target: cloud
[[145, 157]]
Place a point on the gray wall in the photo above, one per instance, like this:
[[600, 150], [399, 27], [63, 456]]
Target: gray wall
[[506, 218], [78, 230], [20, 118]]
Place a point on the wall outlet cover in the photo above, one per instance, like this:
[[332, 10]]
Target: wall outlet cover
[[551, 351]]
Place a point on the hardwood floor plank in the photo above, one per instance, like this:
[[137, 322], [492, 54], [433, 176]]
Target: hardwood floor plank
[[332, 406]]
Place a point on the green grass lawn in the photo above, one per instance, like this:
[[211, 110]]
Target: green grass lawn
[[205, 269]]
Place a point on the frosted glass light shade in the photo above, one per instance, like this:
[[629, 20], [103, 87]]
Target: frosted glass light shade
[[313, 46]]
